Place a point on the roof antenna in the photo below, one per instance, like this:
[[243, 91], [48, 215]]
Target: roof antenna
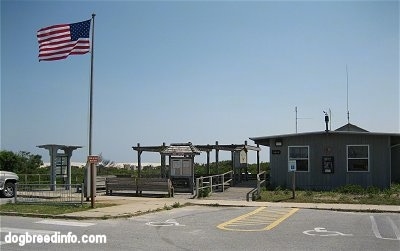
[[348, 113], [297, 118]]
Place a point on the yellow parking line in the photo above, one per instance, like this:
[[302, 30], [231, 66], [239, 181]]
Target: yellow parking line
[[223, 225], [258, 217], [277, 222]]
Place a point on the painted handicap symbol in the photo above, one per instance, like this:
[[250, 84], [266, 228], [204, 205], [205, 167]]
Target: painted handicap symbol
[[320, 231]]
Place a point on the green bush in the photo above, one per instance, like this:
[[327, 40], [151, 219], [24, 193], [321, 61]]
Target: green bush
[[309, 193], [372, 190], [351, 189], [395, 187], [176, 205], [388, 192], [277, 190], [204, 192]]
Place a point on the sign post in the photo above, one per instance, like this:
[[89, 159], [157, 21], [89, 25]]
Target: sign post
[[292, 168], [92, 160]]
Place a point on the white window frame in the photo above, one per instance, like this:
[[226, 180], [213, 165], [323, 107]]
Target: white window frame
[[308, 157], [347, 159]]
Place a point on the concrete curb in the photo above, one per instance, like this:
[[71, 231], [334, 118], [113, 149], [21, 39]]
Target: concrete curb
[[142, 206], [315, 206], [77, 217]]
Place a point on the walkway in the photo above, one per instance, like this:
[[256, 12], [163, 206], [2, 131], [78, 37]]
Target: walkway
[[236, 193]]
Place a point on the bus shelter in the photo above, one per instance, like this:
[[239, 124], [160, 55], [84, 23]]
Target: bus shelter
[[60, 163], [181, 165]]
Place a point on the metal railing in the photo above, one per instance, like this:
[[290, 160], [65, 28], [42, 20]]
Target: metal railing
[[46, 178], [43, 194], [256, 192], [213, 182]]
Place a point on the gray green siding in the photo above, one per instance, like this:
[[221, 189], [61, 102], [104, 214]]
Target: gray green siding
[[332, 144]]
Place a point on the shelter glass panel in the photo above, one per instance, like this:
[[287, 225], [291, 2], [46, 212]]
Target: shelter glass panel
[[176, 169], [186, 167]]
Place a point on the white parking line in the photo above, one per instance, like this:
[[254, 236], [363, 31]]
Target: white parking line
[[395, 228], [378, 234], [66, 223], [23, 231]]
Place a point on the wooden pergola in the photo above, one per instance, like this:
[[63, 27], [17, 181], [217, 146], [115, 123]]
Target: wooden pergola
[[203, 148]]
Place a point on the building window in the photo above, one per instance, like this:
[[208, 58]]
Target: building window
[[358, 158], [300, 154]]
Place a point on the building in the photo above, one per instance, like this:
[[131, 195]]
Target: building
[[329, 159]]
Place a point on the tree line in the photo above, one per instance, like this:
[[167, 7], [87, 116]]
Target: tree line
[[26, 163], [20, 162]]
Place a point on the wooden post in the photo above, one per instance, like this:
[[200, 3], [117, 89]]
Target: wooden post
[[293, 184], [197, 187], [258, 160], [233, 166], [139, 152], [162, 174], [216, 155], [193, 174], [247, 162], [208, 162]]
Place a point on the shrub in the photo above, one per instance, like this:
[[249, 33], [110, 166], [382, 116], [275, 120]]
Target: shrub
[[204, 192], [388, 192], [395, 187], [309, 193], [351, 189], [176, 205], [372, 190], [277, 190]]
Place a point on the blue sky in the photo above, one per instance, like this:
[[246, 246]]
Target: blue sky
[[197, 71]]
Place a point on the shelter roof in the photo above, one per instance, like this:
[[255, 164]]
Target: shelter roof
[[149, 148], [62, 147], [232, 147], [188, 147], [181, 149]]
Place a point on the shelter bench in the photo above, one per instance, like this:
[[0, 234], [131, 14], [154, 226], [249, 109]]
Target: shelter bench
[[154, 184], [100, 183], [120, 183]]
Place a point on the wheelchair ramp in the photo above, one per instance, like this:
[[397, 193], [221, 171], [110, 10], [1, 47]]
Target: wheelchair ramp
[[237, 192]]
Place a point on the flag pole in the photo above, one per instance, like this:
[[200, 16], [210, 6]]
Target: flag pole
[[92, 170]]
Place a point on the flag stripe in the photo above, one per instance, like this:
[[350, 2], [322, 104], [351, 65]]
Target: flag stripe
[[59, 41], [62, 55], [51, 33], [64, 50], [62, 43], [64, 35], [57, 26]]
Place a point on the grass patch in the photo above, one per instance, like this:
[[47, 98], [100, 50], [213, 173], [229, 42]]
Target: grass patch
[[46, 208], [175, 205], [204, 192], [350, 194]]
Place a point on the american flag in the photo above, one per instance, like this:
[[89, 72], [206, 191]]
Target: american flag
[[59, 41]]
